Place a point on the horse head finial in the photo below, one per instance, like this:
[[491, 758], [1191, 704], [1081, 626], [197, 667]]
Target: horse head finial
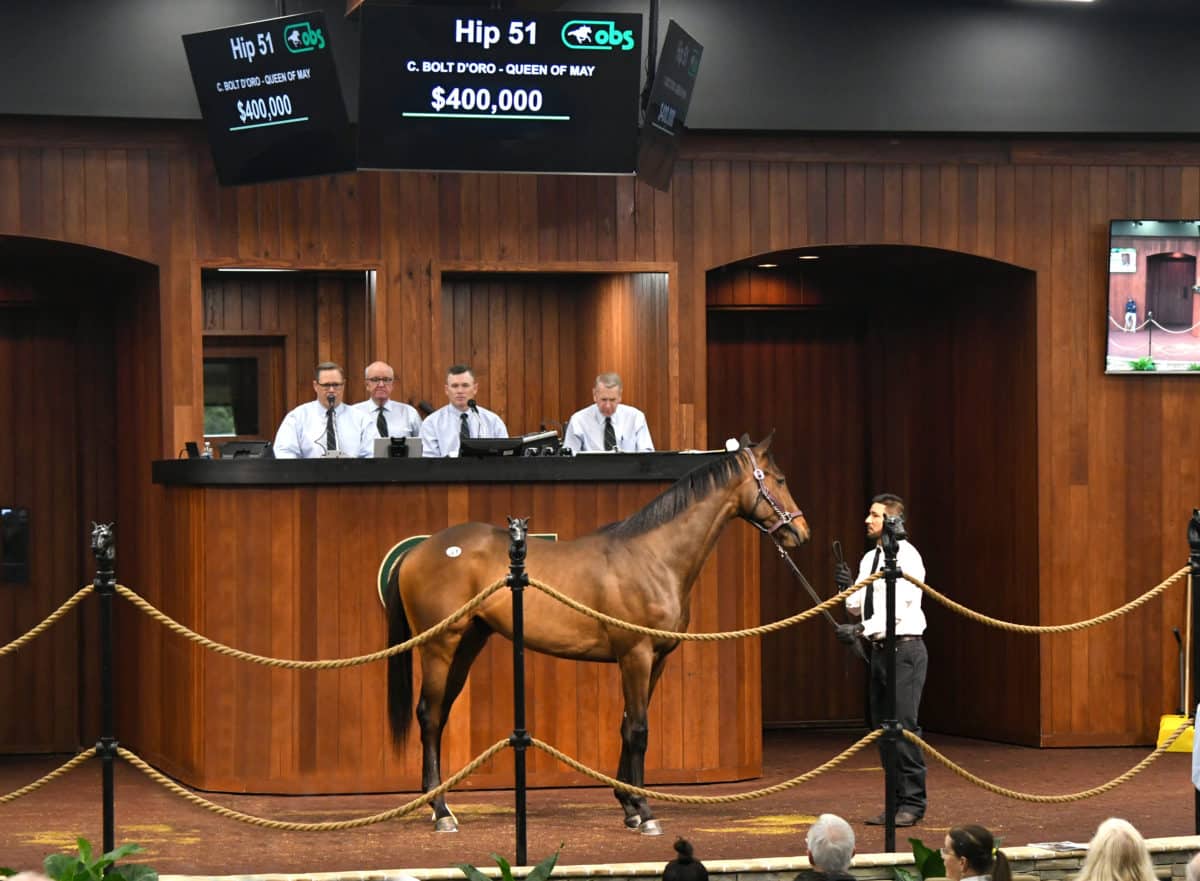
[[103, 542], [518, 528]]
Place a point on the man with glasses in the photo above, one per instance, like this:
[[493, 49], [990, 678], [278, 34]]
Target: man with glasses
[[325, 427], [389, 418]]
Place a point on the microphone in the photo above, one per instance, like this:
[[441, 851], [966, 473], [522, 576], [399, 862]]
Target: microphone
[[424, 408], [330, 399], [471, 405]]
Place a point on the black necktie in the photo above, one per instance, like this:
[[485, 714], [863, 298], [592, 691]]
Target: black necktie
[[610, 435], [330, 434], [464, 430], [381, 424], [869, 605]]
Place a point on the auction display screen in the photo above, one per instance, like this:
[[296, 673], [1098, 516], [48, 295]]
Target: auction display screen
[[270, 98], [483, 90]]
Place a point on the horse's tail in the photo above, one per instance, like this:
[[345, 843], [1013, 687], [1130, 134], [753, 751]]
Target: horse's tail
[[400, 666]]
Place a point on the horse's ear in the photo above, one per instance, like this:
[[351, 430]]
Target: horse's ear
[[744, 442], [765, 444]]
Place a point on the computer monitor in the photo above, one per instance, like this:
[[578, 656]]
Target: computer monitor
[[541, 443]]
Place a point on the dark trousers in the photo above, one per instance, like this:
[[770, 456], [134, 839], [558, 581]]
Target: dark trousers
[[911, 664]]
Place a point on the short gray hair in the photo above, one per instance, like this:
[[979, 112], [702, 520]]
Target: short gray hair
[[608, 380], [1193, 868], [830, 844]]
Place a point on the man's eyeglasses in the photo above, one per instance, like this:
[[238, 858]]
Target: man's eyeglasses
[[380, 380], [330, 386]]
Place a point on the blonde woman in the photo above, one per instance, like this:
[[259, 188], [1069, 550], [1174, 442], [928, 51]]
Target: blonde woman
[[1117, 852]]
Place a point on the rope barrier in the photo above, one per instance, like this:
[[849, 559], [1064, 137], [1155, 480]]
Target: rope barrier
[[708, 799], [702, 637], [486, 755], [1051, 628], [1154, 321], [332, 826], [53, 775], [1050, 799], [228, 651], [40, 628]]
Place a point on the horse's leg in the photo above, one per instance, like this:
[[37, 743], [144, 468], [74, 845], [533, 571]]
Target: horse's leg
[[640, 670], [444, 667]]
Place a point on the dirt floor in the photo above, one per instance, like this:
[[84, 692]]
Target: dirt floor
[[183, 839]]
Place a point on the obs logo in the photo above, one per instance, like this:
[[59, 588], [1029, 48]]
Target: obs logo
[[580, 34], [303, 37]]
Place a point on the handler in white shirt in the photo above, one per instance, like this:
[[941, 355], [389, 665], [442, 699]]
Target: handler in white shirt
[[390, 418], [912, 659], [608, 424], [324, 425], [443, 430]]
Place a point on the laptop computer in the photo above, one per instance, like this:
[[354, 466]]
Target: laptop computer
[[397, 447]]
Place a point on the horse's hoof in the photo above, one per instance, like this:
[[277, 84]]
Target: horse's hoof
[[650, 827], [445, 824], [633, 822]]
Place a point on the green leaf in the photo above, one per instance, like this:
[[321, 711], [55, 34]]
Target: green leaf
[[6, 872], [505, 868], [472, 873], [904, 874], [138, 872], [543, 869], [59, 866], [123, 851]]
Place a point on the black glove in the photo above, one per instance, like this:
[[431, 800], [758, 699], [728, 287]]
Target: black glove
[[842, 576], [849, 633]]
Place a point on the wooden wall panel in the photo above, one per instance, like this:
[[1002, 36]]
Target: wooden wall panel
[[1105, 530], [537, 340]]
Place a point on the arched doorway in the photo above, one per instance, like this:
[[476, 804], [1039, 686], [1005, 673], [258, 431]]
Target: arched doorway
[[907, 370], [79, 342]]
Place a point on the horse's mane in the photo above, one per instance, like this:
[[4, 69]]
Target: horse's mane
[[678, 497]]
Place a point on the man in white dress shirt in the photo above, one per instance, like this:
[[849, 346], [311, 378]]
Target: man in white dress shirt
[[389, 418], [912, 660], [325, 426], [608, 425], [443, 430]]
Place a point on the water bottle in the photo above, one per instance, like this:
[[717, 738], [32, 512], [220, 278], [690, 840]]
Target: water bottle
[[208, 452]]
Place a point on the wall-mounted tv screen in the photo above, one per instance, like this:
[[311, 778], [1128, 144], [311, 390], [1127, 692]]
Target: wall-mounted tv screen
[[270, 98], [485, 90], [1153, 297]]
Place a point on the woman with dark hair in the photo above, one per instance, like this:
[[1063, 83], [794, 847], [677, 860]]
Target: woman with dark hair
[[970, 852], [684, 867]]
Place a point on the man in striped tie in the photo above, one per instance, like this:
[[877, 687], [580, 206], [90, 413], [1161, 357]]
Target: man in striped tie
[[608, 425], [388, 418]]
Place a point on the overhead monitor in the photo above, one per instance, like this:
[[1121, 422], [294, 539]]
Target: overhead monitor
[[270, 99], [486, 90], [667, 106]]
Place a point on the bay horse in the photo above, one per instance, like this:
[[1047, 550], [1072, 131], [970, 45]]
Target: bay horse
[[640, 569]]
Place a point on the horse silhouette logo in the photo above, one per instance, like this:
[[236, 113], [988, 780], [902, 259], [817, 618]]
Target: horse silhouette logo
[[596, 34], [581, 34], [294, 38]]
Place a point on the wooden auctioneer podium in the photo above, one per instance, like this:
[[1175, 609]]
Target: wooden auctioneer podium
[[280, 558]]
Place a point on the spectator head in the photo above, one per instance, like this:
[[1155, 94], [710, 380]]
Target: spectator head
[[684, 867], [830, 843]]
